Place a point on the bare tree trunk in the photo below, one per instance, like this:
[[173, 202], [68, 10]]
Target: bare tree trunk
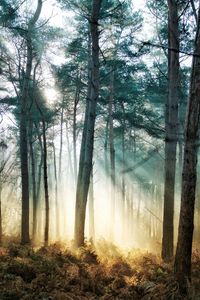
[[32, 157], [46, 190], [139, 201], [171, 123], [123, 186], [91, 208], [106, 163], [25, 182], [1, 232], [76, 101], [57, 221], [61, 144], [182, 265], [69, 152], [39, 175], [86, 156], [25, 238], [45, 172], [40, 165], [112, 155]]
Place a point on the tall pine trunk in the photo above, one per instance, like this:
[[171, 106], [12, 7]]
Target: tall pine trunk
[[57, 209], [70, 162], [86, 155], [112, 154], [46, 189], [123, 186], [61, 144], [43, 145], [91, 208], [25, 238], [32, 157], [1, 232], [76, 101], [182, 266], [171, 123]]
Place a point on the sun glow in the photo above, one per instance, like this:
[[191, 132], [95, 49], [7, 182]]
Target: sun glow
[[51, 95]]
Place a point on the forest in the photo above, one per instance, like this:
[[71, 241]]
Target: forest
[[99, 138]]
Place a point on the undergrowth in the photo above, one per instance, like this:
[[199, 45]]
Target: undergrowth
[[105, 273]]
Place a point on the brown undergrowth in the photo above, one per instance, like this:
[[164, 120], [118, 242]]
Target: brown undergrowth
[[106, 273]]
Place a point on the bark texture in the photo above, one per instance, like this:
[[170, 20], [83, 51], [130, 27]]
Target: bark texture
[[91, 209], [86, 155], [23, 128], [171, 126], [46, 189], [182, 266], [112, 155], [33, 177]]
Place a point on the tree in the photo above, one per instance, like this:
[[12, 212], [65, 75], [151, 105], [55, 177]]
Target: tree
[[182, 264], [171, 123], [24, 94], [86, 153], [3, 162]]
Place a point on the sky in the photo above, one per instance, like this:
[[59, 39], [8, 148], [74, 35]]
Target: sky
[[58, 18]]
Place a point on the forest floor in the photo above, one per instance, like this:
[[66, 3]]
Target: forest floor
[[54, 273]]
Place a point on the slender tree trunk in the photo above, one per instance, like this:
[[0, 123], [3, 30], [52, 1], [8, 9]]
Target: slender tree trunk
[[106, 151], [24, 149], [91, 208], [123, 193], [76, 101], [46, 189], [112, 154], [171, 123], [32, 157], [180, 144], [71, 170], [45, 173], [56, 193], [182, 265], [139, 201], [86, 156], [23, 128], [1, 232], [39, 176], [61, 144]]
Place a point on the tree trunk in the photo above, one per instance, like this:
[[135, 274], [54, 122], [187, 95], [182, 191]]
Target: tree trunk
[[32, 157], [123, 186], [76, 101], [182, 265], [1, 232], [171, 123], [86, 156], [24, 149], [39, 176], [46, 189], [61, 144], [112, 154], [57, 216], [91, 208], [71, 170], [23, 128]]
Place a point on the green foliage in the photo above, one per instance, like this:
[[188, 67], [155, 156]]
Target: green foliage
[[156, 83], [8, 12]]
